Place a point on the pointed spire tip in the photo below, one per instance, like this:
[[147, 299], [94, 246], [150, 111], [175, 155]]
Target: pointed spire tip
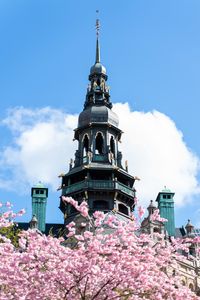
[[97, 52], [97, 44]]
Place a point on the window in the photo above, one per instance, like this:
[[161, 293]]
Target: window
[[192, 250], [100, 205], [85, 145], [164, 197], [123, 209], [112, 145], [37, 192], [168, 197], [191, 287], [99, 143]]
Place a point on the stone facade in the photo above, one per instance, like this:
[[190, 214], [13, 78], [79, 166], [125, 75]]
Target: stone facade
[[189, 265]]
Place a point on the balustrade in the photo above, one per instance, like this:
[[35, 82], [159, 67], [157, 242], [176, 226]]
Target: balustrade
[[98, 184]]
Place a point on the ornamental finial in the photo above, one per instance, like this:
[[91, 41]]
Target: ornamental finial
[[97, 24]]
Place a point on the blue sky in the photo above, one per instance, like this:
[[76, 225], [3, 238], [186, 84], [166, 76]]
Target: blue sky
[[151, 50]]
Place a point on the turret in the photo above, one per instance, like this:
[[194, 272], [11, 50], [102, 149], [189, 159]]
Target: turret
[[151, 209], [189, 227], [33, 223], [39, 196], [165, 201], [149, 225]]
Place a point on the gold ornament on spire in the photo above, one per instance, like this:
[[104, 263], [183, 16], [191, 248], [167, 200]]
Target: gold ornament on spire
[[97, 24]]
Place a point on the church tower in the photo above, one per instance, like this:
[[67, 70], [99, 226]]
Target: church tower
[[97, 174]]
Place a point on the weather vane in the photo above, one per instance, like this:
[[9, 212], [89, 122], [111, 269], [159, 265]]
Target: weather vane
[[97, 24]]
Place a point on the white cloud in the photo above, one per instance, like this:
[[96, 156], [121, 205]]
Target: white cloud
[[157, 154], [42, 146]]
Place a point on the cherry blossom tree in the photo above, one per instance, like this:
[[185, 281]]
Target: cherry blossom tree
[[118, 263]]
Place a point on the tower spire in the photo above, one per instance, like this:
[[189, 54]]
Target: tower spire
[[98, 92], [98, 163], [97, 44]]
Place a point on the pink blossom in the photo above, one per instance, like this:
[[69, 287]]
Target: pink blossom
[[22, 243], [21, 212], [99, 265], [141, 211], [99, 214], [8, 204], [82, 208], [99, 217], [156, 217], [110, 221]]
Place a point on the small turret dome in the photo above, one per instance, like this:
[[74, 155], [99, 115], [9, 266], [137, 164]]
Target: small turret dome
[[151, 208], [189, 227], [98, 68], [34, 219]]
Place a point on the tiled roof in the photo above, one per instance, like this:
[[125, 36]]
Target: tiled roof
[[180, 232]]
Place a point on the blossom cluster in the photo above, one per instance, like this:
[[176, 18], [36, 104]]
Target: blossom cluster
[[103, 266]]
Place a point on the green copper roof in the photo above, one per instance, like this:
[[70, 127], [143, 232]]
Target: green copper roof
[[166, 190], [39, 185]]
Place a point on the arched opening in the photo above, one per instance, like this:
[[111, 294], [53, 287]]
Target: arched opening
[[85, 145], [192, 250], [123, 209], [112, 145], [183, 282], [100, 205], [191, 287], [99, 144]]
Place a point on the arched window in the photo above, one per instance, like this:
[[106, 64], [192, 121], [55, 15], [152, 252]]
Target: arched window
[[192, 250], [100, 205], [99, 143], [112, 145], [123, 209], [191, 287], [183, 282], [85, 145]]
